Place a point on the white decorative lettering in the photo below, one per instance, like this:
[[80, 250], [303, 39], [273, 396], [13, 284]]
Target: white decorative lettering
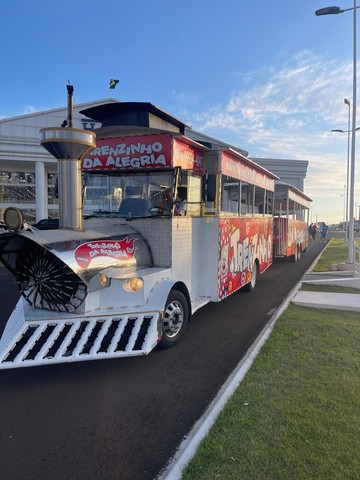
[[110, 161], [157, 147]]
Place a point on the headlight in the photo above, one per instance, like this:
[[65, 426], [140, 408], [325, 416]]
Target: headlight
[[103, 279], [133, 284]]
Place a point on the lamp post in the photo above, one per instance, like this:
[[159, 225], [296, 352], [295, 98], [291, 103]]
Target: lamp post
[[344, 209], [347, 169], [335, 11], [347, 102]]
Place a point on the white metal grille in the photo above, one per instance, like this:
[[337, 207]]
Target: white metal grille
[[46, 342]]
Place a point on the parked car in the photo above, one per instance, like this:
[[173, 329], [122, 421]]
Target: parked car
[[47, 224]]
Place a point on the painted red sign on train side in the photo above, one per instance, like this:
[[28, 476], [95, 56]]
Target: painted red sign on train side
[[142, 152], [138, 152]]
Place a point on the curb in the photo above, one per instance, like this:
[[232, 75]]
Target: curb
[[189, 445]]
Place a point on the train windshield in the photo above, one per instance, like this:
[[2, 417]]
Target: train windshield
[[129, 195]]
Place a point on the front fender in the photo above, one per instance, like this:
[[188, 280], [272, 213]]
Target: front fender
[[159, 294]]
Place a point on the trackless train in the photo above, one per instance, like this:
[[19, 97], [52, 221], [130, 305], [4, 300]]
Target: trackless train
[[153, 226]]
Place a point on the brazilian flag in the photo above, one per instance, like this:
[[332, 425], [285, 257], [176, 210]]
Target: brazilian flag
[[113, 83]]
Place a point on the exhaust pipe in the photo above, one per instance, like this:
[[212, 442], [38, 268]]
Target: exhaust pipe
[[69, 145]]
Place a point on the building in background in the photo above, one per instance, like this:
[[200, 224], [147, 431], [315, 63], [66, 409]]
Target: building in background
[[28, 172], [292, 172]]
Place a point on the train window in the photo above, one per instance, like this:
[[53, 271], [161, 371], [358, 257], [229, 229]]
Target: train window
[[263, 201], [230, 194], [247, 198]]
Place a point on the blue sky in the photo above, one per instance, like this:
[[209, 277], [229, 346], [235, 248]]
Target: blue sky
[[269, 77]]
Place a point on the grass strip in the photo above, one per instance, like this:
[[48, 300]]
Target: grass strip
[[335, 252], [296, 415], [316, 287]]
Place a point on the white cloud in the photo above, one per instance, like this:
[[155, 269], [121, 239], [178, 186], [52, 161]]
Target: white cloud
[[288, 113]]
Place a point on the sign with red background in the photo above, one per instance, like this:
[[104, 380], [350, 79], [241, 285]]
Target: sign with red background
[[235, 168], [130, 153], [139, 152], [187, 157], [105, 252]]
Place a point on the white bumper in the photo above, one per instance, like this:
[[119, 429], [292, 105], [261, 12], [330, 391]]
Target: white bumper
[[52, 337]]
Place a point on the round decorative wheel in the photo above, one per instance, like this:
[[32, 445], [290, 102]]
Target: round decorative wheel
[[46, 282], [175, 320]]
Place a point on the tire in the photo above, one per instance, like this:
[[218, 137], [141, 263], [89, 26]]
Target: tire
[[175, 319], [249, 287], [296, 256]]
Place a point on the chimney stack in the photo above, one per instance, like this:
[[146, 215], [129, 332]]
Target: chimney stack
[[69, 145]]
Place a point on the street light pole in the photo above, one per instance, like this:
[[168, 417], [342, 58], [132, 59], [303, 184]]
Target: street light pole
[[348, 131], [335, 11], [351, 258], [347, 102]]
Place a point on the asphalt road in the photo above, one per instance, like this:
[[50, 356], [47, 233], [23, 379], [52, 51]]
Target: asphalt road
[[123, 419]]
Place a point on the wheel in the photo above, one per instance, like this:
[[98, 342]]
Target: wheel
[[295, 257], [249, 287], [175, 319]]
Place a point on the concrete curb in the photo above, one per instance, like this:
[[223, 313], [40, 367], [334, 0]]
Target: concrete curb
[[189, 445]]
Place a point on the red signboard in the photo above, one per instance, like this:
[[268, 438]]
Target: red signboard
[[105, 252], [129, 153], [139, 152], [187, 157], [235, 168]]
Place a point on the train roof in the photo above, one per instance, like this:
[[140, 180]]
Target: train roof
[[292, 192], [132, 113]]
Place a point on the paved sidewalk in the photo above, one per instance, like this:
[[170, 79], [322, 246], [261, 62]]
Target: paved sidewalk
[[337, 301]]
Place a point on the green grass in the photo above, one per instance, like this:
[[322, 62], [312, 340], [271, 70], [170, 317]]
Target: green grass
[[335, 252], [296, 415], [315, 287]]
